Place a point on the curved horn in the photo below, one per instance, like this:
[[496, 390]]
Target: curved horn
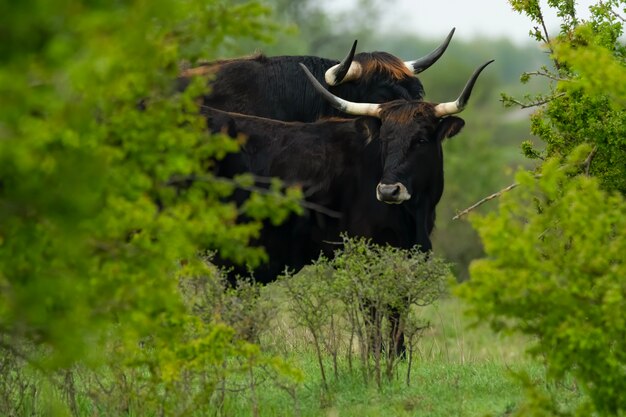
[[337, 73], [424, 62], [359, 109], [452, 107]]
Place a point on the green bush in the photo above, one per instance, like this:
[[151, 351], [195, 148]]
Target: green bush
[[92, 234], [555, 264], [363, 299], [555, 269]]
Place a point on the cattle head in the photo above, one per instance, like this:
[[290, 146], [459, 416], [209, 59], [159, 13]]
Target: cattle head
[[410, 135], [378, 68]]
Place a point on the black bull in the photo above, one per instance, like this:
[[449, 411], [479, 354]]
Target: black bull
[[392, 153], [274, 87]]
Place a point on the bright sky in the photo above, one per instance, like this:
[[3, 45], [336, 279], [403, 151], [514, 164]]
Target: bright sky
[[472, 18]]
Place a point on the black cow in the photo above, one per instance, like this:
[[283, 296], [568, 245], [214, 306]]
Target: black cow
[[410, 178], [356, 167], [321, 156], [273, 87]]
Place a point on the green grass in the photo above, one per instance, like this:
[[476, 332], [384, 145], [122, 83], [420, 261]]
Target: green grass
[[437, 389], [457, 371]]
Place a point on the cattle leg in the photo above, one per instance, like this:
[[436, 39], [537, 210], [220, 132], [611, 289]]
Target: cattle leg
[[395, 345], [396, 336], [373, 328]]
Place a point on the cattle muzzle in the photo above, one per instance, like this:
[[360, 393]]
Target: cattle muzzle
[[392, 193]]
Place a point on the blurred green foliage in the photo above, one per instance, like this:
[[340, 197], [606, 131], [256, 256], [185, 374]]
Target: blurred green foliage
[[92, 234], [555, 249], [555, 269], [585, 102]]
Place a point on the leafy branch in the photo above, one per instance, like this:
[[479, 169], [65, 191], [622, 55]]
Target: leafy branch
[[542, 73], [546, 36], [185, 180], [509, 101]]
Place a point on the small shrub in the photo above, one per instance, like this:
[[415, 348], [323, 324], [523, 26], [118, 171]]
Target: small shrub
[[363, 300]]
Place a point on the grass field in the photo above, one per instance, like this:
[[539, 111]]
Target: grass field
[[437, 389], [458, 371]]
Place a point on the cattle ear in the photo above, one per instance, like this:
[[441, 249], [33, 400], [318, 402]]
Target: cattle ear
[[232, 128], [449, 127], [368, 127], [222, 123]]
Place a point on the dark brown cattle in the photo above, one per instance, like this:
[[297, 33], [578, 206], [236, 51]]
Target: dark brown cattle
[[391, 153], [405, 170], [273, 87]]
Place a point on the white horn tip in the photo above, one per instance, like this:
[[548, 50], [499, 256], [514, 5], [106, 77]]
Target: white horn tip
[[329, 76], [444, 109]]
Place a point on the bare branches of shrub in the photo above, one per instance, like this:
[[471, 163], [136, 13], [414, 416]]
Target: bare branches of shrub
[[362, 301]]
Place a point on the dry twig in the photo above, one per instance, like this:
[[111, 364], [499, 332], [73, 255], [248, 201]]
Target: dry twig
[[484, 200]]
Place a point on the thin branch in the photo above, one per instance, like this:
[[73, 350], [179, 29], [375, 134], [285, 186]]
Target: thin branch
[[254, 189], [617, 15], [484, 200], [534, 103], [613, 12], [547, 75], [306, 204], [31, 362], [587, 162], [18, 354], [547, 39]]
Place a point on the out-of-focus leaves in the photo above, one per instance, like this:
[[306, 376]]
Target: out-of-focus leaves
[[555, 264], [92, 133]]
